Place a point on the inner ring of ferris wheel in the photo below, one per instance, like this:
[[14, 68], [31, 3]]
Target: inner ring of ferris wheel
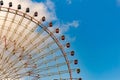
[[29, 50]]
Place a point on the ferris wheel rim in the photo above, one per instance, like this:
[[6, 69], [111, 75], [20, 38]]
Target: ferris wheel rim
[[29, 17]]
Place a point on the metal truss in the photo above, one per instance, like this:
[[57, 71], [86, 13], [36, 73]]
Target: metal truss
[[30, 51]]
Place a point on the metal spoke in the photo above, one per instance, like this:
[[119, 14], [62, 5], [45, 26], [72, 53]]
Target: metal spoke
[[30, 50]]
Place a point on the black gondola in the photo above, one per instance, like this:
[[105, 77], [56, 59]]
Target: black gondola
[[75, 62], [43, 18], [78, 71], [36, 14], [27, 10], [10, 4], [62, 37], [72, 53], [80, 79], [1, 2], [19, 6], [50, 24], [68, 45], [57, 30]]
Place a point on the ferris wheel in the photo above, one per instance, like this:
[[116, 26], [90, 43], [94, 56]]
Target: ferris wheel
[[30, 51]]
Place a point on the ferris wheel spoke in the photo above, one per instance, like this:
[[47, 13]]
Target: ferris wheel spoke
[[44, 62], [30, 49], [3, 25], [27, 35], [23, 30], [35, 37], [12, 63], [44, 37], [16, 28], [50, 60], [7, 61], [10, 69], [55, 73], [15, 70], [9, 27], [28, 73], [7, 58], [1, 56], [36, 44], [39, 57], [44, 47], [40, 69], [43, 69]]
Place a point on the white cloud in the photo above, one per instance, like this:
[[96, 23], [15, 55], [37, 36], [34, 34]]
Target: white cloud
[[43, 8], [46, 8], [118, 2], [66, 26], [69, 1], [74, 23]]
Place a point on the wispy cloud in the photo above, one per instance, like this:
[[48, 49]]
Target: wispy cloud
[[118, 2], [44, 8], [69, 1], [66, 26]]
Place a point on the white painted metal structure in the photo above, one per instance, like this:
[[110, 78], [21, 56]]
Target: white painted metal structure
[[29, 50]]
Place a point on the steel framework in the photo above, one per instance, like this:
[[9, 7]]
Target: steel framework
[[29, 50]]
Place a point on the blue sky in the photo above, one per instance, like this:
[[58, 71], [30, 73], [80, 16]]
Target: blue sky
[[97, 38]]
